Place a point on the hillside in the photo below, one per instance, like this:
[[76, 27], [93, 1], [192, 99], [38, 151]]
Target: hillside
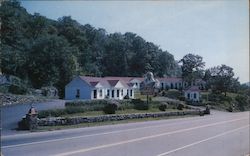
[[45, 52]]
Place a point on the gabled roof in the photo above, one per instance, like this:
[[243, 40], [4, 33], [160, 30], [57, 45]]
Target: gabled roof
[[105, 81], [93, 83], [192, 89], [113, 82]]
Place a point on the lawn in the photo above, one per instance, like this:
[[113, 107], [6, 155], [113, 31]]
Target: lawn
[[126, 111]]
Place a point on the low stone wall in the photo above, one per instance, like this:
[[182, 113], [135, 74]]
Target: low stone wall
[[55, 121]]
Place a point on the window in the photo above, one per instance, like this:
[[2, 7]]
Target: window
[[108, 92], [131, 92], [113, 93], [195, 95], [172, 86], [162, 85], [95, 94], [122, 92], [100, 92], [127, 91], [77, 93], [188, 96], [117, 93]]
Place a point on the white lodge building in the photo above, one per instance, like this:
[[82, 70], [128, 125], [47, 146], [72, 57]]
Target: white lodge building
[[85, 87]]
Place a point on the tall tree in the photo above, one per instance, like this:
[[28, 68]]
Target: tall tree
[[192, 67], [221, 78]]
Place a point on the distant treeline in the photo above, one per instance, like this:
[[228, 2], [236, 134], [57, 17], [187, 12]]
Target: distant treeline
[[46, 52]]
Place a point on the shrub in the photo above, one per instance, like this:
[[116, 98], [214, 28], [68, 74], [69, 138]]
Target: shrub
[[173, 94], [90, 105], [180, 106], [207, 110], [182, 98], [163, 93], [17, 90], [110, 108], [125, 104], [163, 107], [73, 110], [230, 109], [54, 113], [139, 104], [242, 102], [126, 97]]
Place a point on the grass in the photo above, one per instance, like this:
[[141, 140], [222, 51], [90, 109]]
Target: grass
[[126, 111], [82, 125]]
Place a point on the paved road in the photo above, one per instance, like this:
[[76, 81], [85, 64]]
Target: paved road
[[219, 134], [10, 115]]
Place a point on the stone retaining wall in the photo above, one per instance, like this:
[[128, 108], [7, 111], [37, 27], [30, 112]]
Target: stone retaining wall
[[55, 121]]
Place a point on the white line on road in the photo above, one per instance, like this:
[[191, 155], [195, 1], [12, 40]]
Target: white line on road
[[201, 141], [144, 138]]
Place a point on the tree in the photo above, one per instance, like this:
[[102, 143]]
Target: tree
[[51, 62], [192, 67], [221, 78]]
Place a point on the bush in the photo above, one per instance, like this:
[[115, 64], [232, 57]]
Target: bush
[[17, 90], [207, 110], [125, 104], [54, 113], [241, 102], [73, 110], [110, 108], [163, 107], [163, 93], [126, 97], [173, 94], [230, 109], [90, 105], [182, 98], [180, 106], [139, 104], [217, 97]]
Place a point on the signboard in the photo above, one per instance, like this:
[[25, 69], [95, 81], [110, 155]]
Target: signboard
[[147, 91]]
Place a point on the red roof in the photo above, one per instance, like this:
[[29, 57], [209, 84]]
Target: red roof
[[113, 82], [125, 79]]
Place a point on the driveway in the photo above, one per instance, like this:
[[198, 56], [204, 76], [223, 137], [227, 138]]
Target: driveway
[[10, 115]]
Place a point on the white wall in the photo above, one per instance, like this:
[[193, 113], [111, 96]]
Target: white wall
[[192, 96]]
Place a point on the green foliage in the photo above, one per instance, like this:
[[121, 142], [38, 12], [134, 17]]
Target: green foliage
[[110, 108], [139, 104], [49, 53], [242, 102], [230, 109], [180, 106], [173, 94], [91, 105], [53, 113], [163, 107], [182, 98], [216, 97], [220, 79], [17, 89], [192, 67]]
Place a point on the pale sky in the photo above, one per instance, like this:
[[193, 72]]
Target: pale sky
[[217, 30]]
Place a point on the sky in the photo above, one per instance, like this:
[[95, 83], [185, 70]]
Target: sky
[[217, 30]]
